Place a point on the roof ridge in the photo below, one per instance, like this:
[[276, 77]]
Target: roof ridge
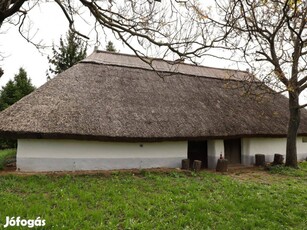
[[167, 61], [128, 60], [162, 71]]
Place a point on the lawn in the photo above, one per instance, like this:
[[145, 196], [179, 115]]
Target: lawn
[[159, 200]]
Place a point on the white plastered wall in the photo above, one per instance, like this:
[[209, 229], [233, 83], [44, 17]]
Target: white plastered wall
[[252, 146], [268, 146], [70, 155]]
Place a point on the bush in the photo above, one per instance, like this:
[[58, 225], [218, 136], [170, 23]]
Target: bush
[[8, 144], [5, 155]]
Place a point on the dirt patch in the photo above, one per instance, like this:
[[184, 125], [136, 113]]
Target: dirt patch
[[254, 174], [242, 173], [8, 168], [92, 172]]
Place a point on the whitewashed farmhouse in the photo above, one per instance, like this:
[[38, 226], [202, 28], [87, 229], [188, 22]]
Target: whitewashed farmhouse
[[113, 111]]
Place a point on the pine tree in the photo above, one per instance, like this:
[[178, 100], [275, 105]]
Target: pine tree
[[7, 96], [15, 89], [110, 47], [69, 52], [12, 92]]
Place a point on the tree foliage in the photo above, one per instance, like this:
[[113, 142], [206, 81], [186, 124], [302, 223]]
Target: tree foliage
[[12, 92], [15, 89], [69, 52], [110, 47]]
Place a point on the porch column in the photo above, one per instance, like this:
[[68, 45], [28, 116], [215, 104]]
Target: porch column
[[215, 148], [246, 157]]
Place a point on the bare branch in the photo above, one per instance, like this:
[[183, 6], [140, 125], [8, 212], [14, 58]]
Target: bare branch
[[9, 8], [69, 19]]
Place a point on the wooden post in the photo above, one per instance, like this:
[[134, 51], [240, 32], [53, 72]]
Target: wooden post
[[185, 163], [278, 159], [197, 165], [222, 165], [260, 160]]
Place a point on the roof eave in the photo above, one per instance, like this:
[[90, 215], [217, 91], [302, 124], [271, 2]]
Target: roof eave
[[20, 135]]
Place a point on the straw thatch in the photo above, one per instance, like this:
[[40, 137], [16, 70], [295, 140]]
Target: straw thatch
[[99, 100]]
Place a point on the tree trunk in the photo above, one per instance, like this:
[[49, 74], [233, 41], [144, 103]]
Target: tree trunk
[[293, 125]]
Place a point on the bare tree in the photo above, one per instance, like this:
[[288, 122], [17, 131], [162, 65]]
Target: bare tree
[[270, 36], [174, 26]]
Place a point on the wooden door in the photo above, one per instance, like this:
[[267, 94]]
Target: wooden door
[[232, 149], [197, 150]]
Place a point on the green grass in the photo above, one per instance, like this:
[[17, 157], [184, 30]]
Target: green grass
[[156, 200], [288, 171], [6, 154]]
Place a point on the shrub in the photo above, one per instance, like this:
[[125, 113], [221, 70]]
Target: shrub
[[5, 155]]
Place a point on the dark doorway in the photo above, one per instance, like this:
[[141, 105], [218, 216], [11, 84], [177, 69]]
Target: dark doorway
[[197, 150], [233, 151]]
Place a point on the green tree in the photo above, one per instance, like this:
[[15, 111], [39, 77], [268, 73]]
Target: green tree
[[69, 52], [15, 89], [110, 47], [7, 96], [12, 92]]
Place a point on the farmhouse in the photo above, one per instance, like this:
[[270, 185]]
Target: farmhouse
[[114, 111]]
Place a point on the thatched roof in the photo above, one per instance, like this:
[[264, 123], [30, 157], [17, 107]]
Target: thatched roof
[[119, 97]]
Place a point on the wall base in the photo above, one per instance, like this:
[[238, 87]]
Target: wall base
[[68, 164], [72, 155]]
